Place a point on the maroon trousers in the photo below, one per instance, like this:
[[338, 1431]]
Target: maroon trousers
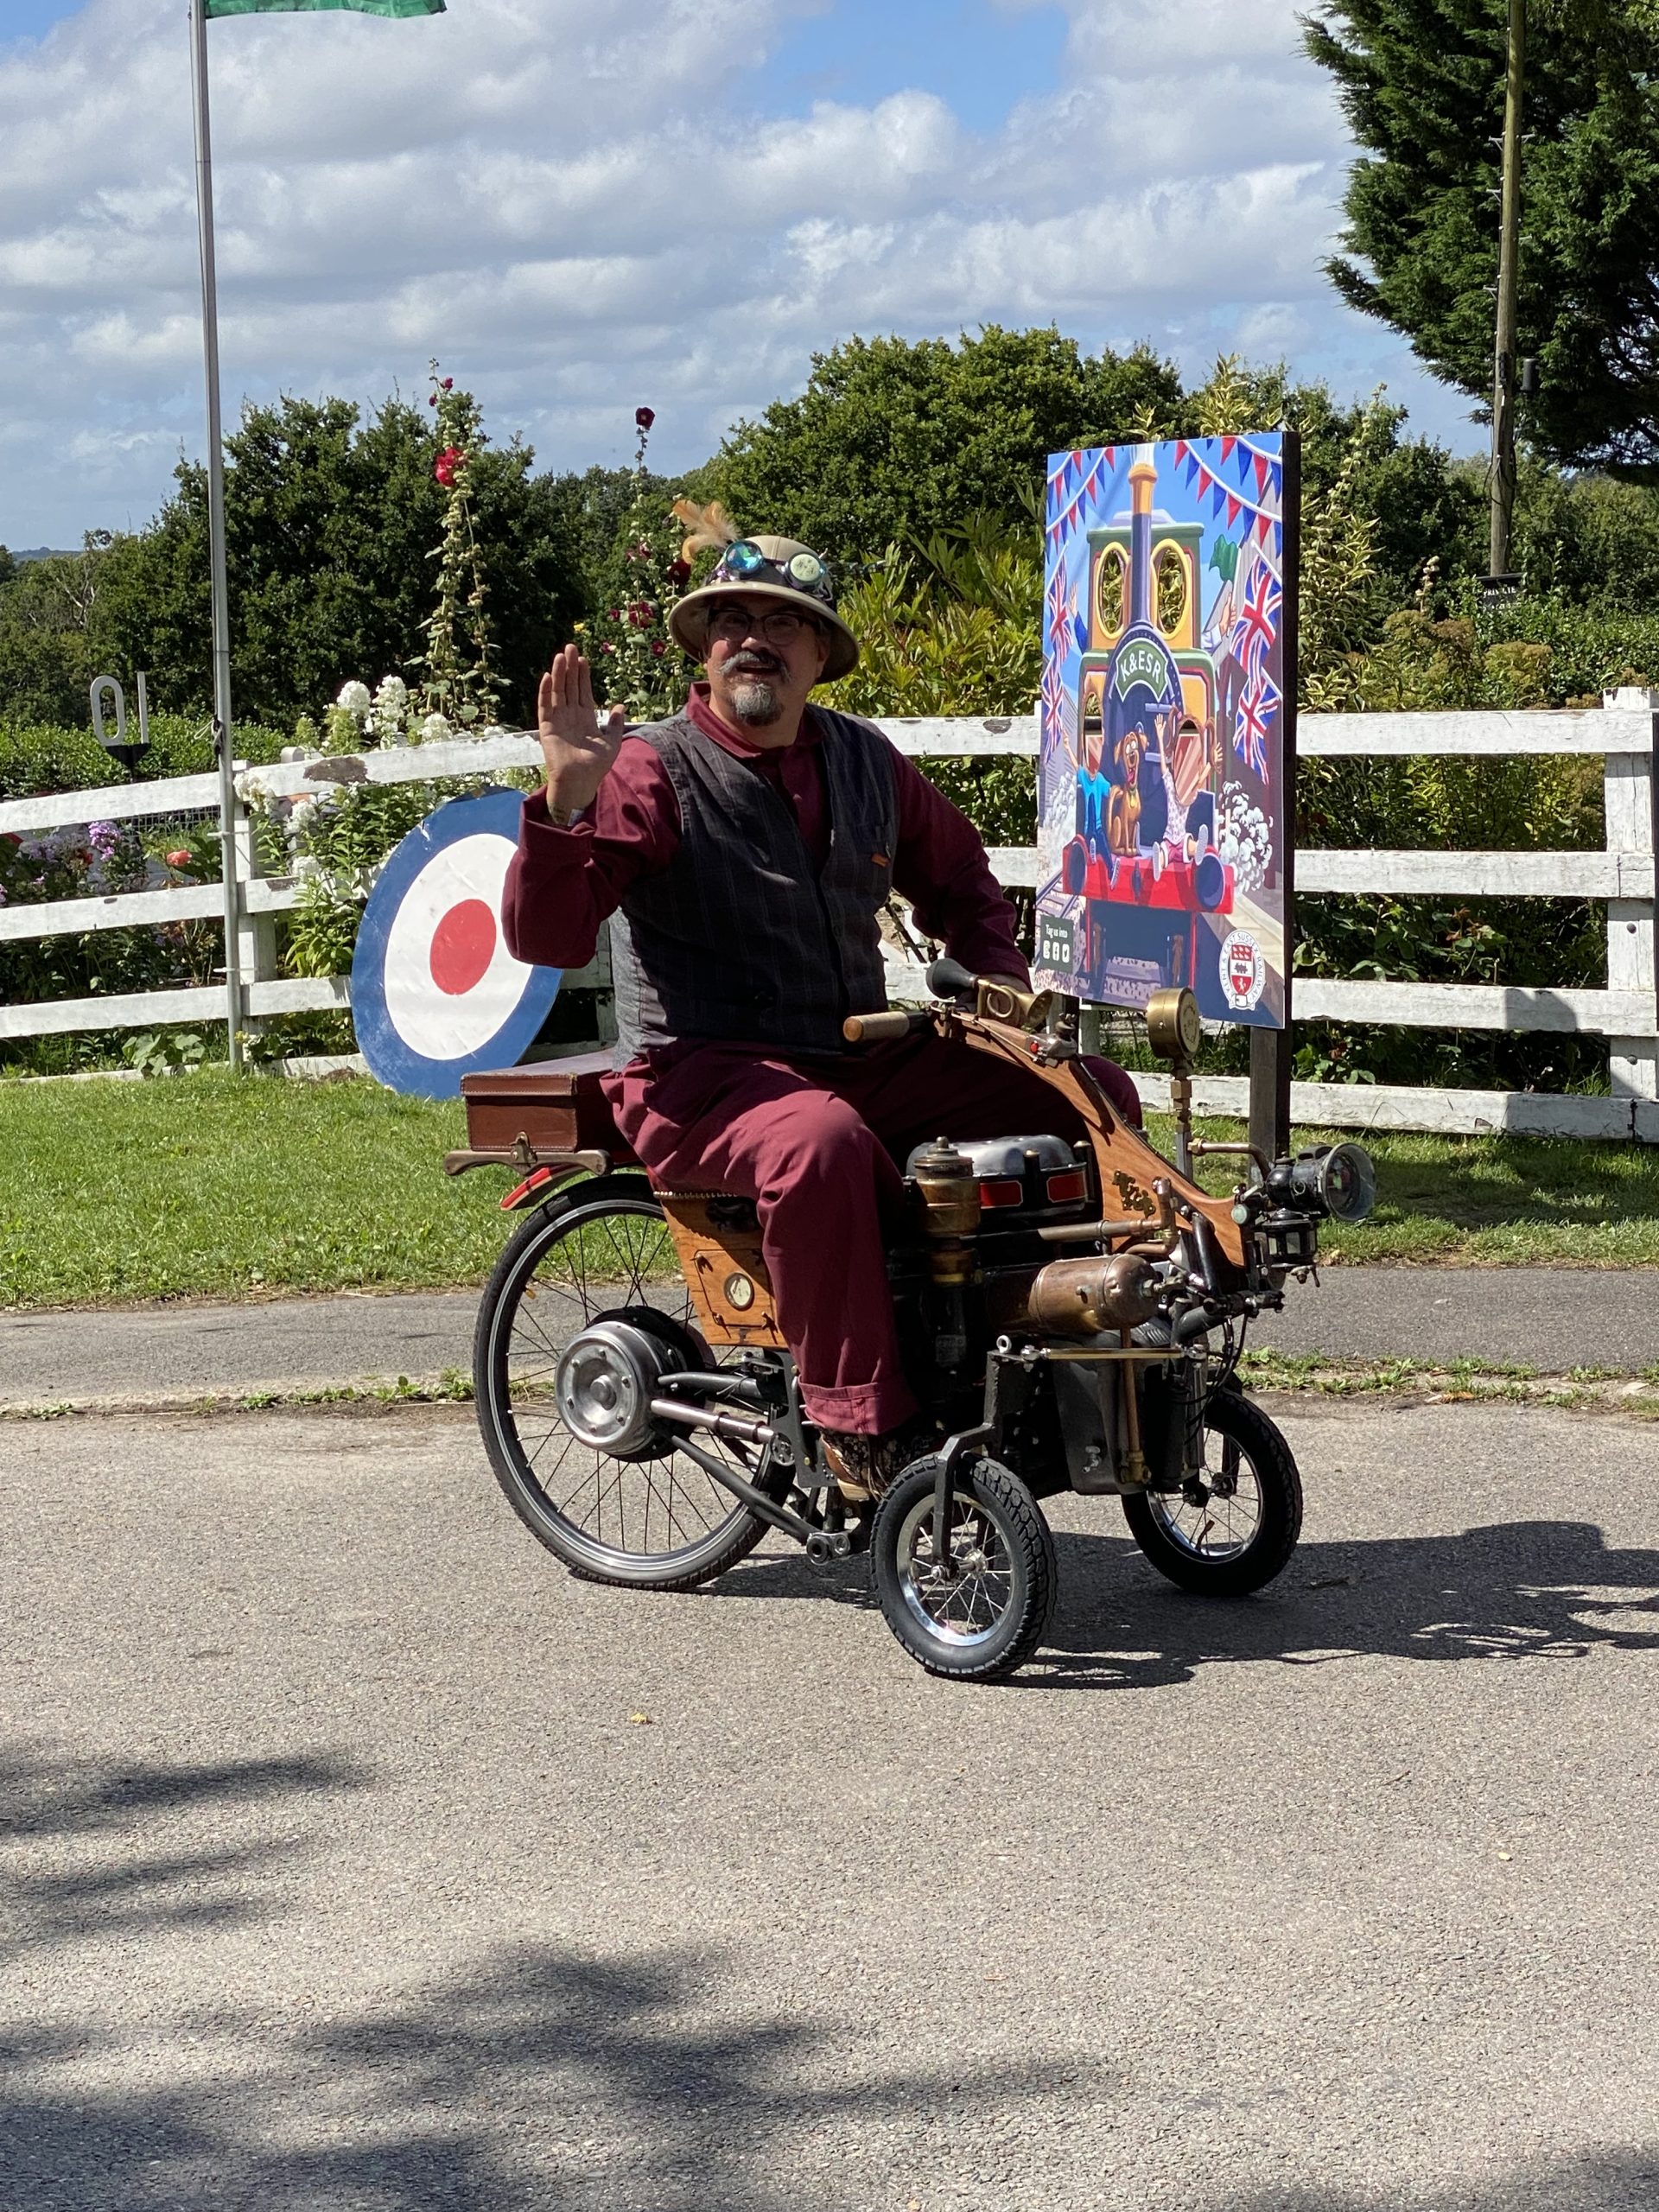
[[819, 1146]]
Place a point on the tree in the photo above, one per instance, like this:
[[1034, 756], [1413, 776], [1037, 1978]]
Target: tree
[[332, 523], [593, 504], [896, 440], [52, 640], [1422, 85]]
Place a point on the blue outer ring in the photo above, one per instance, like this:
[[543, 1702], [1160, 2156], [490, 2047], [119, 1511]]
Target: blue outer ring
[[389, 1058]]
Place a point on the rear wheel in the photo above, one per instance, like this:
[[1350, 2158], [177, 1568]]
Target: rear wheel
[[974, 1600], [652, 1519], [1235, 1522]]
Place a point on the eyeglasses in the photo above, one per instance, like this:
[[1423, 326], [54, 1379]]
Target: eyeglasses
[[805, 571], [778, 626]]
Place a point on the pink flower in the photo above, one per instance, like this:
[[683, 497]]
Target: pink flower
[[645, 416], [658, 647], [180, 859], [448, 384], [449, 465]]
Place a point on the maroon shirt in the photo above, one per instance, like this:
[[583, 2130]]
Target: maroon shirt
[[563, 884]]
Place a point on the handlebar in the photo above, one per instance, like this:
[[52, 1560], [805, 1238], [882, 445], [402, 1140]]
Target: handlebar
[[874, 1029]]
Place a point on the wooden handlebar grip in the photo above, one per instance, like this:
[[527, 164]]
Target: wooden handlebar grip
[[872, 1029]]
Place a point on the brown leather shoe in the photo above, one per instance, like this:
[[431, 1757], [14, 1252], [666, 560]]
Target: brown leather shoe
[[865, 1466]]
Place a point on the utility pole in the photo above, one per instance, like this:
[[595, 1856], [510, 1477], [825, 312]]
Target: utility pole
[[1508, 255], [223, 741]]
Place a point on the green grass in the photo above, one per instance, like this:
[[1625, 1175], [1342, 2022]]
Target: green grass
[[210, 1184], [204, 1185]]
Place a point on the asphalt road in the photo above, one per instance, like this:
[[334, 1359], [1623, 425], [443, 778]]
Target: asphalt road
[[341, 1871], [1552, 1319]]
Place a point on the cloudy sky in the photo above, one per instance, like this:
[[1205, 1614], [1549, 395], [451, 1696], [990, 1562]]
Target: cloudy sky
[[583, 207]]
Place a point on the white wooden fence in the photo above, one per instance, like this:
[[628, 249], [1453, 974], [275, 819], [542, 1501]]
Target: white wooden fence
[[1625, 1012]]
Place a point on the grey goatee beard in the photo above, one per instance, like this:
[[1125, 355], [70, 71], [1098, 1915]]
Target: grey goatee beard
[[754, 697], [755, 703]]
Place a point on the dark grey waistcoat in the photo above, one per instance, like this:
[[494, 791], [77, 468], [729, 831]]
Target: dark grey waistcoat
[[741, 936]]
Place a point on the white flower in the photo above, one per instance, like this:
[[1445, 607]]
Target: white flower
[[355, 698], [436, 729], [391, 691]]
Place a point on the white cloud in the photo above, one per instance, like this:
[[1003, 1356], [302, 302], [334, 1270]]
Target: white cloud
[[580, 210]]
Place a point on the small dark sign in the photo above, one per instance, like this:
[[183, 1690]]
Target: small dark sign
[[1055, 941]]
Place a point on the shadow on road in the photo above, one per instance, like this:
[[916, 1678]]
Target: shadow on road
[[540, 2077], [102, 1873], [1518, 1590]]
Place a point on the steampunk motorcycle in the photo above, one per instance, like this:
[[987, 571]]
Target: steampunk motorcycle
[[1071, 1317]]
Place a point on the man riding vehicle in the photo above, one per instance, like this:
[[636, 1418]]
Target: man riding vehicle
[[745, 848]]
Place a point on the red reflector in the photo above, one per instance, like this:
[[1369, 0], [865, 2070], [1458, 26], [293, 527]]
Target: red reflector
[[1006, 1190], [533, 1181], [1065, 1188]]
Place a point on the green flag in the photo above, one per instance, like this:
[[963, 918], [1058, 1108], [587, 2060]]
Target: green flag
[[212, 8]]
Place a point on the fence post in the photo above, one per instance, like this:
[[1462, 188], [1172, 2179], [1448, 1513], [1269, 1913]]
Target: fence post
[[1633, 1062], [256, 934]]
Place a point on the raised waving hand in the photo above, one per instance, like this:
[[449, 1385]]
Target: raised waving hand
[[579, 743]]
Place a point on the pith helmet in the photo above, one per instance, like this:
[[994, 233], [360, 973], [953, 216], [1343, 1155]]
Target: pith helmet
[[769, 568]]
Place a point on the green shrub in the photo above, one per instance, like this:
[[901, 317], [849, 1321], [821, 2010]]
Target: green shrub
[[42, 757]]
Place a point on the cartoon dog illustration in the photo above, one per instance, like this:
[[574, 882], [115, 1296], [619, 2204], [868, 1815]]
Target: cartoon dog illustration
[[1123, 804]]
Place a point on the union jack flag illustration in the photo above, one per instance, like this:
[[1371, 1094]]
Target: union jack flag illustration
[[1253, 720], [1060, 612], [1255, 626]]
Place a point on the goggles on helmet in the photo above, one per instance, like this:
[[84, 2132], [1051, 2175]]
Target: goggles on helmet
[[744, 563]]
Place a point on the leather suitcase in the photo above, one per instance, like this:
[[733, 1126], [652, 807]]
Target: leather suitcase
[[551, 1108]]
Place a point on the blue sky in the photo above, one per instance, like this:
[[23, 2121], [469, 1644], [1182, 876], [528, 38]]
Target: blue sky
[[979, 57], [30, 18], [585, 205]]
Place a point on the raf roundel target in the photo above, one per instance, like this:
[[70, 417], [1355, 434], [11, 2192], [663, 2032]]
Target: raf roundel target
[[435, 994]]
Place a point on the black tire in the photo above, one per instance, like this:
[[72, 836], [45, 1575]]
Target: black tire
[[1239, 1533], [991, 1621], [601, 1247]]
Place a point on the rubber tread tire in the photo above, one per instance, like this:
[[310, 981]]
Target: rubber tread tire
[[730, 1541], [1031, 1546], [1231, 1414]]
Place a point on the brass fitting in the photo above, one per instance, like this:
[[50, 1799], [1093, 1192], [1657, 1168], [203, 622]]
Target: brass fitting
[[1085, 1298], [947, 1191]]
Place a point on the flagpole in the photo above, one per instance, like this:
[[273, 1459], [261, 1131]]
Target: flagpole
[[222, 726]]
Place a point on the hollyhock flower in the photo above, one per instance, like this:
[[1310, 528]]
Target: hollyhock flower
[[679, 572], [448, 384], [179, 859], [449, 465], [645, 416]]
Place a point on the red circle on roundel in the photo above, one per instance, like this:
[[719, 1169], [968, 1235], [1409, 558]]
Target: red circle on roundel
[[463, 945]]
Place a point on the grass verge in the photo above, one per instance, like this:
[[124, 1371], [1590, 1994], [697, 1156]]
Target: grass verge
[[210, 1185], [1453, 1381]]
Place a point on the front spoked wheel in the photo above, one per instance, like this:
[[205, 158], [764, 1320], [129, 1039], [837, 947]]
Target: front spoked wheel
[[586, 1302], [1235, 1521], [972, 1599]]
